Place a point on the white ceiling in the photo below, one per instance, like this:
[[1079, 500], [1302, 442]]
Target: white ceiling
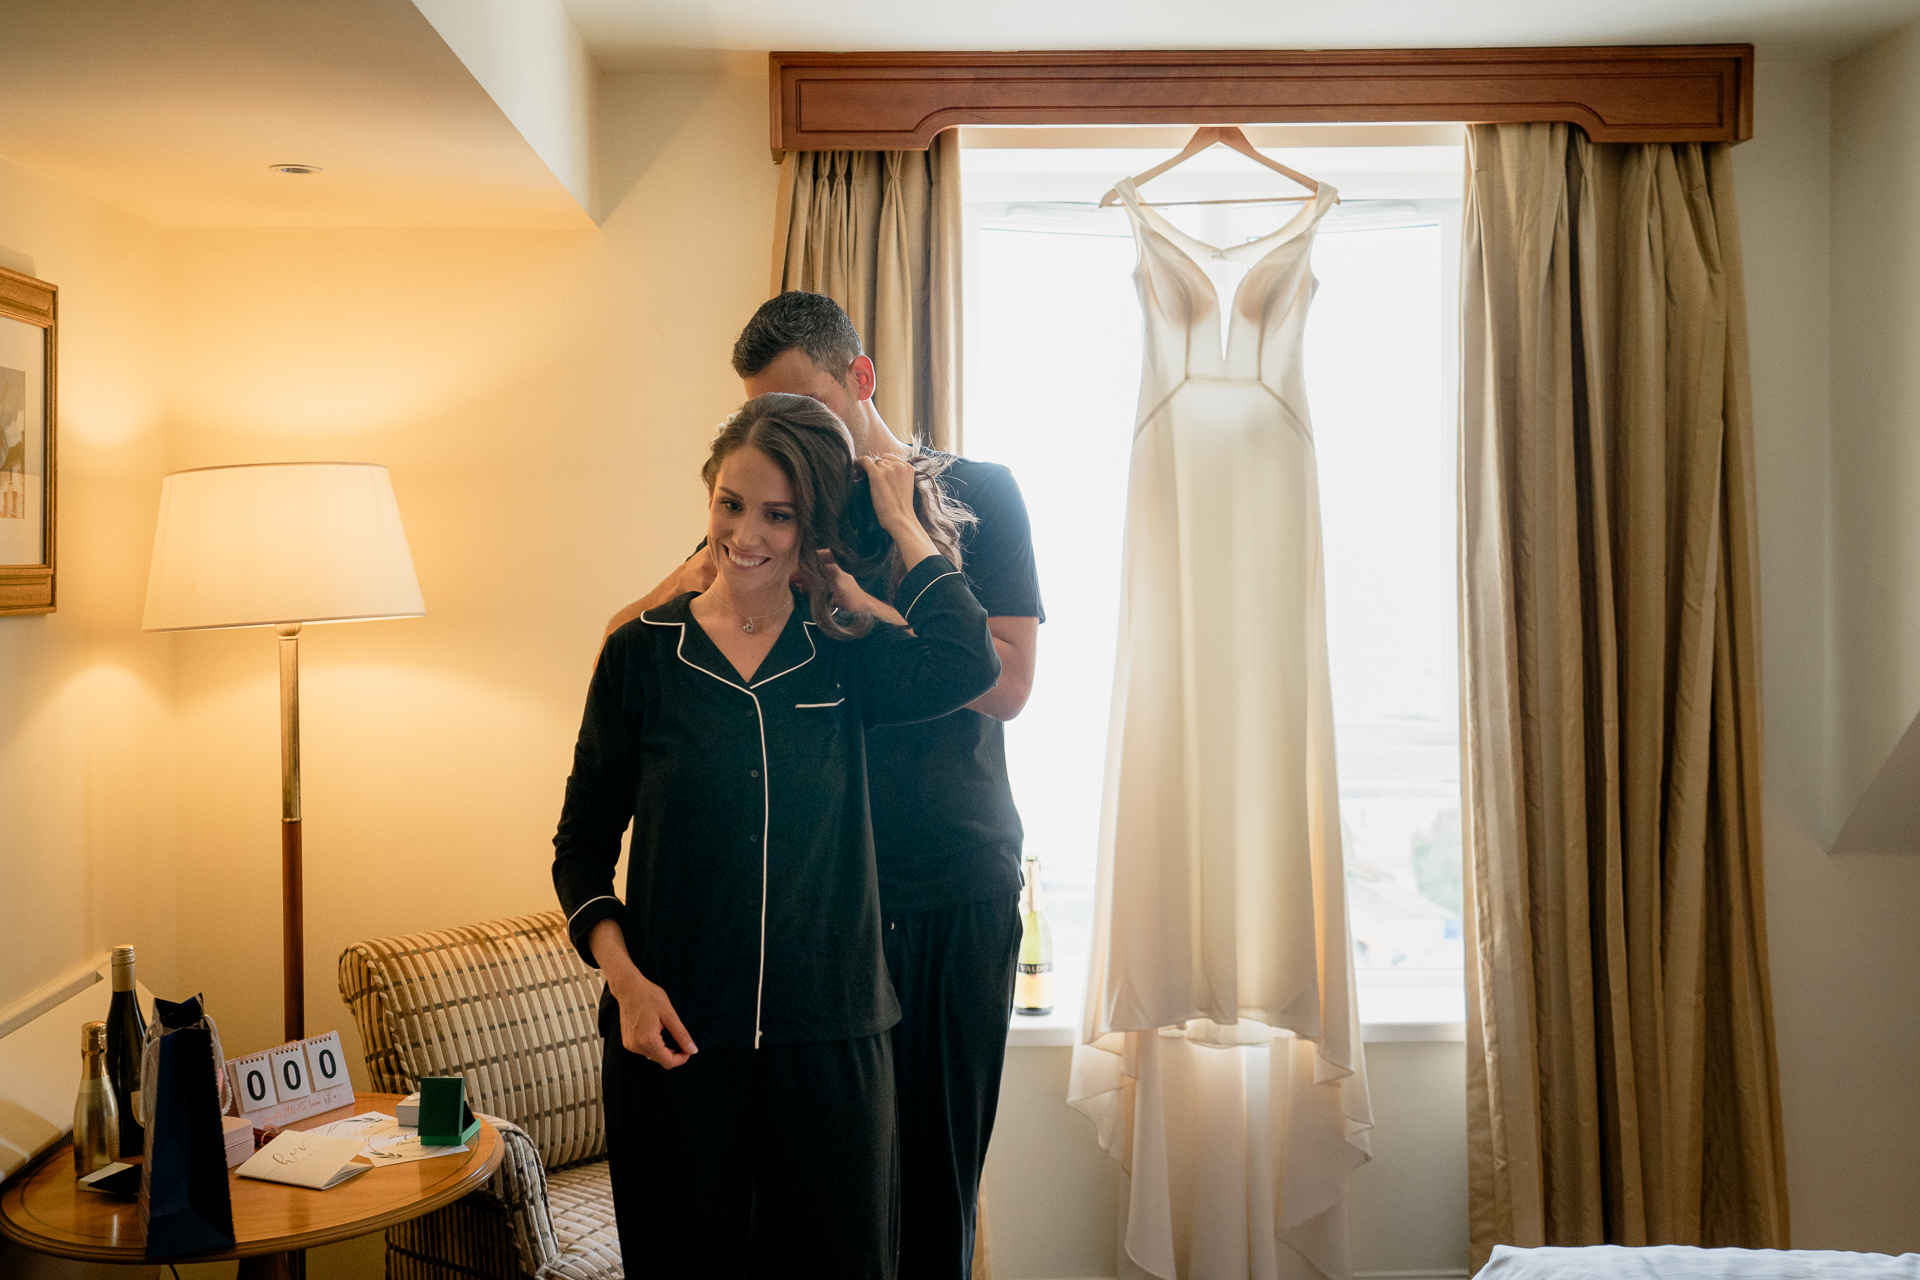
[[667, 33], [174, 109]]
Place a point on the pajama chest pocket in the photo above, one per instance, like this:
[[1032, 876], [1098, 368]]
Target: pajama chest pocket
[[818, 699]]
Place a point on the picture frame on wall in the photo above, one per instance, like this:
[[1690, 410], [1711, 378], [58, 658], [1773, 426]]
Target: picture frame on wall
[[28, 442]]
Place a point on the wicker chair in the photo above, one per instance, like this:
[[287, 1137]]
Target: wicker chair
[[508, 1005]]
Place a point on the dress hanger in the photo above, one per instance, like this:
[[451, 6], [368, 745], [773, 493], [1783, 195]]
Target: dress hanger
[[1226, 136]]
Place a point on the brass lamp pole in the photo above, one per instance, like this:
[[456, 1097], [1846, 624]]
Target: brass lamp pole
[[293, 906]]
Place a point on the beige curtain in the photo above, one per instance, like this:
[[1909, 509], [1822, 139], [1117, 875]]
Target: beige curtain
[[879, 233], [1622, 1084]]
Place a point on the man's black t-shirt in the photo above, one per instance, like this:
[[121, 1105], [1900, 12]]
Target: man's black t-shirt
[[945, 830]]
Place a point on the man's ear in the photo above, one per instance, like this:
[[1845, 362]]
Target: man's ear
[[860, 377]]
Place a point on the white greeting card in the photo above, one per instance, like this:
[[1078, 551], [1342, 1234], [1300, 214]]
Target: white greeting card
[[386, 1141], [317, 1161]]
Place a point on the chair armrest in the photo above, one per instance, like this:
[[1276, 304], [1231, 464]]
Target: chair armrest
[[519, 1187]]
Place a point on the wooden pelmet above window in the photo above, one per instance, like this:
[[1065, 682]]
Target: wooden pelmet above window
[[900, 101]]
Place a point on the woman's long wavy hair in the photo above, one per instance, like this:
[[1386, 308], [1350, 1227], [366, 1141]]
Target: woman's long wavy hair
[[814, 450]]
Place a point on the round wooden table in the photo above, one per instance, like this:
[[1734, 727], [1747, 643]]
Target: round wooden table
[[43, 1209]]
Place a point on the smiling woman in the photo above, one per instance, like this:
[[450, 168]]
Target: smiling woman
[[747, 1001]]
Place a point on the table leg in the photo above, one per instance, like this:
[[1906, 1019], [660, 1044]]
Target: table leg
[[274, 1266]]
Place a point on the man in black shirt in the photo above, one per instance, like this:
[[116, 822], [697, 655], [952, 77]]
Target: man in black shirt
[[946, 833]]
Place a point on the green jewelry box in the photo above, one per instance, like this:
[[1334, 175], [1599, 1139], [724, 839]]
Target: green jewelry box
[[445, 1118]]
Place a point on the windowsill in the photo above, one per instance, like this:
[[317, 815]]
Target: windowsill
[[1061, 1028], [1387, 1032], [1394, 1008], [1032, 1031]]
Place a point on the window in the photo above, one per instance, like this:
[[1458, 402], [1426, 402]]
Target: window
[[1053, 358]]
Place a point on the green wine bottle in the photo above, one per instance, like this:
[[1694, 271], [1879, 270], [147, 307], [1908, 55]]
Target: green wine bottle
[[126, 1039], [1033, 989]]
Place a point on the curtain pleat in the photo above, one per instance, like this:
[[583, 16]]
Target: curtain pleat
[[1622, 1082], [879, 233]]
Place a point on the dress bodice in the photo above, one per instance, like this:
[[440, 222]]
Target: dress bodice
[[1183, 312]]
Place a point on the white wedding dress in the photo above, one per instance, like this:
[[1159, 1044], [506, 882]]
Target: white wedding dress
[[1221, 1056]]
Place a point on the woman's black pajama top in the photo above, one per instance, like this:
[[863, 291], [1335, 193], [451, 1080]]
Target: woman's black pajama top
[[751, 893]]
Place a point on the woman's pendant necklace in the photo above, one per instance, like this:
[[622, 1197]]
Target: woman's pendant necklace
[[747, 626]]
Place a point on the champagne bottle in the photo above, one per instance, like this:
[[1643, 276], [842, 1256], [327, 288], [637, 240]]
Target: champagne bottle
[[126, 1039], [96, 1120], [1033, 991]]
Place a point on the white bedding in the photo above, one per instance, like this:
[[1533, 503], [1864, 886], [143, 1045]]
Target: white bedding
[[1680, 1262]]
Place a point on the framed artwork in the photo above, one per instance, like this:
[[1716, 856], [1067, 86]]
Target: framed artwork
[[27, 443]]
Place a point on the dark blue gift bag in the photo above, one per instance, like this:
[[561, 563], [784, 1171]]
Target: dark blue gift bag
[[184, 1195]]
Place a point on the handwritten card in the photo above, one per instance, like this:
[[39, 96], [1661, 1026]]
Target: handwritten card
[[317, 1161], [386, 1141]]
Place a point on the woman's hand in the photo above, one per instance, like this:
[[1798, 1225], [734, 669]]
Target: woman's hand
[[892, 480], [849, 595], [647, 1020]]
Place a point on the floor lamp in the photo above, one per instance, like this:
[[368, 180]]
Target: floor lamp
[[281, 545]]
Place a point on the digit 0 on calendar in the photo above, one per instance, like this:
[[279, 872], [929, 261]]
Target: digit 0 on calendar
[[252, 1079]]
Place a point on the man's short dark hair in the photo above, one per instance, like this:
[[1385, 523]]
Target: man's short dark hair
[[812, 322]]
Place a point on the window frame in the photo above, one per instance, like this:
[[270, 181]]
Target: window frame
[[1062, 1026]]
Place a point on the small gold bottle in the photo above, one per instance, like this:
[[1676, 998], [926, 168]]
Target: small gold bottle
[[1033, 987], [96, 1119]]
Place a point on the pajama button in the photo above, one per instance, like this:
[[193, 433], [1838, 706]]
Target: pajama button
[[753, 839], [753, 773]]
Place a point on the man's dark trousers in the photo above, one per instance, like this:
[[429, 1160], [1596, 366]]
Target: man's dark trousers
[[953, 969]]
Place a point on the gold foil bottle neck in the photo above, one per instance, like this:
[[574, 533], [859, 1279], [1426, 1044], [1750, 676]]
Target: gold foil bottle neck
[[93, 1037]]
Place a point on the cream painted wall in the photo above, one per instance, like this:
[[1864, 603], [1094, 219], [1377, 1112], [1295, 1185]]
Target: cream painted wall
[[86, 743], [1846, 958], [1839, 622], [1876, 403], [86, 812]]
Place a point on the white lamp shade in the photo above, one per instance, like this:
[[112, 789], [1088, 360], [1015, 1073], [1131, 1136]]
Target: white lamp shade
[[279, 542]]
